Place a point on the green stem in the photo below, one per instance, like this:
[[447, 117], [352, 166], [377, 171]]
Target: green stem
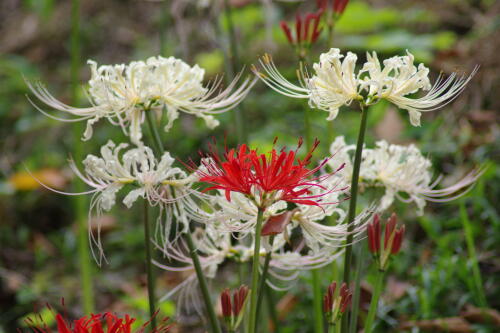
[[317, 301], [471, 250], [80, 202], [192, 250], [154, 131], [357, 290], [233, 57], [377, 290], [149, 266], [331, 328], [214, 323], [252, 324], [263, 279], [352, 205]]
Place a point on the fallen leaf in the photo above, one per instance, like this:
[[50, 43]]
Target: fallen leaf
[[451, 325], [479, 315]]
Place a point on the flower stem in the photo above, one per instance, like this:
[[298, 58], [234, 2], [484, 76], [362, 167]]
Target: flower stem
[[80, 202], [471, 250], [149, 266], [377, 290], [352, 205], [154, 131], [252, 324], [263, 279], [331, 328], [214, 323], [357, 290], [192, 250], [233, 57], [317, 301]]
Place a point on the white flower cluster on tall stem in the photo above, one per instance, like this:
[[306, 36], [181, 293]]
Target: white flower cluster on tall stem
[[159, 182], [229, 230], [402, 171], [124, 93], [335, 82]]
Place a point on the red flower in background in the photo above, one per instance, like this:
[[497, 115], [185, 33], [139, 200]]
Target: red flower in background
[[307, 29], [98, 323], [272, 177]]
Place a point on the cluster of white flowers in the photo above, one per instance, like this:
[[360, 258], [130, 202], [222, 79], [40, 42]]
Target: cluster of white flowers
[[124, 93], [229, 228], [335, 83], [402, 171], [157, 181]]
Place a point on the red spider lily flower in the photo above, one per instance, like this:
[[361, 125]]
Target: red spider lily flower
[[307, 29], [232, 313], [334, 305], [264, 178], [393, 238], [98, 323]]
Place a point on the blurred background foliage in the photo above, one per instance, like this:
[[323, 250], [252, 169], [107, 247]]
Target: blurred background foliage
[[430, 287]]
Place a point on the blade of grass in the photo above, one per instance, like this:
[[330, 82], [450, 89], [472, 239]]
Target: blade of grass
[[80, 202], [471, 250]]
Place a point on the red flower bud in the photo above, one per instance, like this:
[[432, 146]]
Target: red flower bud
[[398, 240], [373, 230], [298, 28], [286, 30], [328, 298], [389, 229], [339, 6], [239, 298], [225, 301]]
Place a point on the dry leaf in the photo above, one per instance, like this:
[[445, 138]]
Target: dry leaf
[[478, 315], [276, 224], [450, 325]]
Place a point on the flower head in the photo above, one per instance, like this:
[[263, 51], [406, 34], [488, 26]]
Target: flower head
[[98, 323], [393, 239], [335, 303], [335, 82], [124, 93], [266, 179], [159, 182], [402, 171], [399, 77]]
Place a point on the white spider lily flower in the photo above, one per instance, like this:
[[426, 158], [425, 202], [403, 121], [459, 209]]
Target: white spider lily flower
[[402, 171], [399, 77], [159, 182], [123, 93], [332, 234], [215, 248], [334, 83]]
